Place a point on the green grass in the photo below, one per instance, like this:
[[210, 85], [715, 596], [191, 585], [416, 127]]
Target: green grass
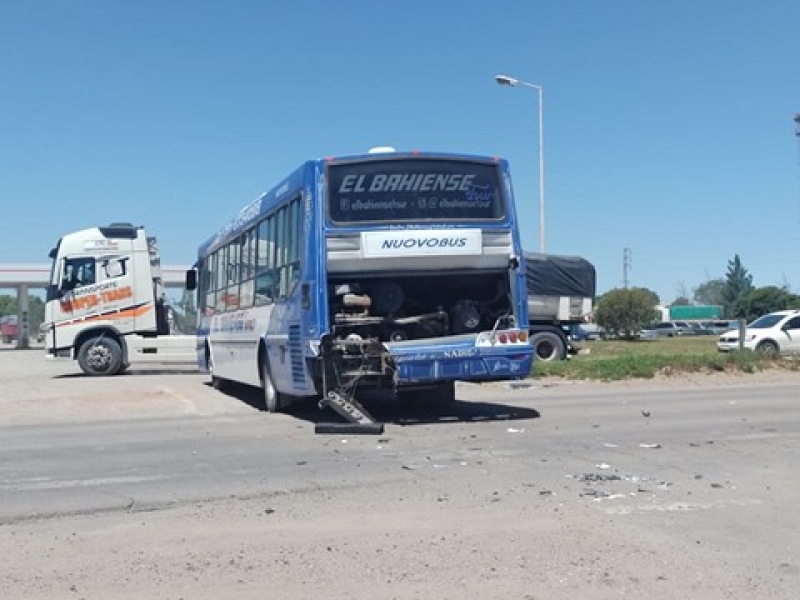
[[617, 359]]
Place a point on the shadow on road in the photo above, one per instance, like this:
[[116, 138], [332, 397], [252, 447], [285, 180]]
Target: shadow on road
[[391, 410], [132, 373]]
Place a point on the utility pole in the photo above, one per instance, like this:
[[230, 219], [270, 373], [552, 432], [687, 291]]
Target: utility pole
[[626, 266], [797, 133]]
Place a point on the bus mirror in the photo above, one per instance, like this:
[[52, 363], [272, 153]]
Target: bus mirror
[[513, 263], [191, 280], [306, 296]]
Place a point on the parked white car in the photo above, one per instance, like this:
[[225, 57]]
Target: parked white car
[[774, 334]]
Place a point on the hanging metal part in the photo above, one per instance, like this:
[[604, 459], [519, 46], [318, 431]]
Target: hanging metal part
[[360, 421], [346, 363]]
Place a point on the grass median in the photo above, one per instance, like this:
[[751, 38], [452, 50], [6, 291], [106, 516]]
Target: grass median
[[611, 360]]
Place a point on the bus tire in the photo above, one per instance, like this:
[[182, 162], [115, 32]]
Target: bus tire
[[100, 356], [440, 395], [444, 394], [548, 346], [218, 383], [274, 401]]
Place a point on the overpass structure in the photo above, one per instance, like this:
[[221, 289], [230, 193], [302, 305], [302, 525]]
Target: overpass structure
[[23, 277]]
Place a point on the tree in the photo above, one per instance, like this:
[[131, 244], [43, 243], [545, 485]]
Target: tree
[[8, 305], [738, 283], [761, 301], [682, 299], [710, 293], [625, 311]]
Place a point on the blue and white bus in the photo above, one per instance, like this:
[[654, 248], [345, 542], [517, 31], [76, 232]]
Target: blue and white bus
[[401, 271]]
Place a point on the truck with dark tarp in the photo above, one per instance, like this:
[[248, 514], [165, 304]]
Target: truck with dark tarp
[[561, 291]]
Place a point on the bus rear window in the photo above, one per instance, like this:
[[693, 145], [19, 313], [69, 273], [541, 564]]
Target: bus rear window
[[404, 190]]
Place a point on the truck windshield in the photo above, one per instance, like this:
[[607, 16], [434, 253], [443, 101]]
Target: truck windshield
[[408, 190]]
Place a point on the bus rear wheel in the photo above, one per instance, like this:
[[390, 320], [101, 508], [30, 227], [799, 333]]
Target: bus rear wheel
[[435, 396], [100, 356], [218, 383], [274, 401]]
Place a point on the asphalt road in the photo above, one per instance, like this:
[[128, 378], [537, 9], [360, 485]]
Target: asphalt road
[[155, 485]]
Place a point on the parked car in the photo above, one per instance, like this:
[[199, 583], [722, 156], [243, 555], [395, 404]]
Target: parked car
[[719, 327], [663, 329], [700, 328], [775, 334], [585, 332]]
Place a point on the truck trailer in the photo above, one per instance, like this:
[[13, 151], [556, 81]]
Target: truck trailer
[[561, 291], [106, 306]]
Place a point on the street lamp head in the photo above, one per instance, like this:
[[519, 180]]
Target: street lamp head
[[505, 80]]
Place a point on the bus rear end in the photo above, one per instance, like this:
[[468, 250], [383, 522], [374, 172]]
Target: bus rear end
[[423, 270]]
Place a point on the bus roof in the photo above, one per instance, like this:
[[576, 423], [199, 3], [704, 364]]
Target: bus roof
[[291, 184]]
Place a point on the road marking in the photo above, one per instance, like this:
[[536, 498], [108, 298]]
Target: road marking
[[49, 484], [678, 506]]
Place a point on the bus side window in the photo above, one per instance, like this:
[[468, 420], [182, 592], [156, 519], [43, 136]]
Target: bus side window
[[265, 287]]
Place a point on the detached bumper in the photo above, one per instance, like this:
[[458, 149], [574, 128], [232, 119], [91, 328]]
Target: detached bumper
[[459, 358]]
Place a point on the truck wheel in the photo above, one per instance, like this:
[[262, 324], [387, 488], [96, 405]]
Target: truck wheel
[[100, 356], [274, 400], [548, 346]]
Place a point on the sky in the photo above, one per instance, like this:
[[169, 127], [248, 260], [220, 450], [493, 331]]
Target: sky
[[668, 127]]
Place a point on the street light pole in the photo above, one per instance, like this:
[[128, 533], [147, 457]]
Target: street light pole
[[511, 81]]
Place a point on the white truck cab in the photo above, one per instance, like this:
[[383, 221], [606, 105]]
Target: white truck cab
[[105, 304]]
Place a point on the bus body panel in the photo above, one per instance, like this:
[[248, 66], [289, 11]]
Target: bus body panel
[[276, 329]]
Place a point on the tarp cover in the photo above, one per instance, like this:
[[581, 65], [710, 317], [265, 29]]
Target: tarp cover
[[554, 275]]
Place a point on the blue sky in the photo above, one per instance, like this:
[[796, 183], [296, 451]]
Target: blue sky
[[668, 126]]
